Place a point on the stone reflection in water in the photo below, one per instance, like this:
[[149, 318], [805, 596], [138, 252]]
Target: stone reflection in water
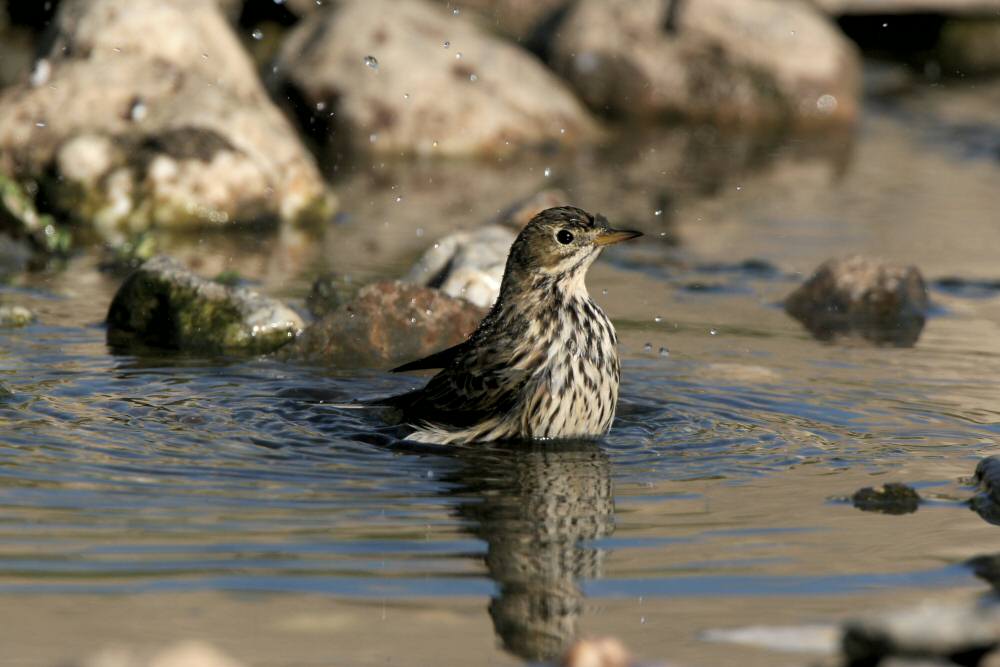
[[538, 507]]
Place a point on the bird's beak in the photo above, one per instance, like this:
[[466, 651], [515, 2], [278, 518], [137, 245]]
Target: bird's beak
[[612, 236]]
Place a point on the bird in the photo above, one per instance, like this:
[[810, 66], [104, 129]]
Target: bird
[[543, 363]]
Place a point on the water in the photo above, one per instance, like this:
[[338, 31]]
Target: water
[[233, 501]]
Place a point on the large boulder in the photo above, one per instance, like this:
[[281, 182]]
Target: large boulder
[[745, 62], [163, 304], [883, 303], [148, 113], [407, 76], [387, 324]]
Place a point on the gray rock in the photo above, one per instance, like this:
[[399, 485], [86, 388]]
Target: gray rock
[[388, 323], [15, 316], [407, 76], [970, 46], [163, 304], [741, 62], [468, 264], [962, 633], [521, 20], [883, 303], [987, 502], [148, 113], [890, 498]]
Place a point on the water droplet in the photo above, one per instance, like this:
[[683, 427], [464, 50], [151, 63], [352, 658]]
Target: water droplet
[[664, 352], [447, 44], [372, 137], [413, 320], [473, 77], [371, 62], [279, 2], [885, 25], [430, 474], [562, 130], [406, 96], [257, 34], [604, 292], [455, 12], [658, 212], [320, 106], [420, 232], [657, 319], [826, 103], [648, 347], [642, 620], [434, 144], [792, 33], [40, 123], [138, 111], [204, 56], [399, 199], [118, 50], [713, 332], [548, 172], [458, 56], [739, 187]]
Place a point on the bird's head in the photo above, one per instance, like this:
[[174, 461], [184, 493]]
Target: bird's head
[[561, 242]]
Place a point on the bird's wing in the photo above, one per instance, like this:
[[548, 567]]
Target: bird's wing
[[476, 385], [437, 360]]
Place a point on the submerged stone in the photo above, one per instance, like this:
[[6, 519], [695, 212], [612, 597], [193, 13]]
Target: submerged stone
[[987, 502], [387, 324], [890, 498], [163, 304], [15, 316], [880, 302]]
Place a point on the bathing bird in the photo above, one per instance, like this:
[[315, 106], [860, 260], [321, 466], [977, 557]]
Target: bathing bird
[[543, 363]]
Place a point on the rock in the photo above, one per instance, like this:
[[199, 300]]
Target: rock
[[890, 498], [740, 62], [328, 292], [163, 304], [969, 46], [520, 213], [884, 303], [469, 264], [148, 113], [387, 324], [603, 652], [521, 20], [987, 502], [987, 568], [15, 316], [407, 76], [21, 220], [962, 633]]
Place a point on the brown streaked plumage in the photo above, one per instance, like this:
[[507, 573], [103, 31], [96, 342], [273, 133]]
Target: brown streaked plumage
[[543, 363]]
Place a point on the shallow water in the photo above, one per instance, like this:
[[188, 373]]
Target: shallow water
[[242, 506]]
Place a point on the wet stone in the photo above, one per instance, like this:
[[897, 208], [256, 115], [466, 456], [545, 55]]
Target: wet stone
[[883, 303], [987, 568], [328, 292], [387, 324], [986, 503], [15, 316], [961, 633], [890, 498], [163, 304]]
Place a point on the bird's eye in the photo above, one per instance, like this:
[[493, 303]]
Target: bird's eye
[[564, 236]]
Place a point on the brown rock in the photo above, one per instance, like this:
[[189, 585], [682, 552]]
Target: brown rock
[[743, 62], [883, 303], [388, 323], [407, 76], [149, 113]]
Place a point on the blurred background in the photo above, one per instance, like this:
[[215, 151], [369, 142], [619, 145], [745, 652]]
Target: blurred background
[[154, 491]]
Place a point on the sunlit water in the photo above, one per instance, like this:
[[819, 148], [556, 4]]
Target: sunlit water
[[736, 431]]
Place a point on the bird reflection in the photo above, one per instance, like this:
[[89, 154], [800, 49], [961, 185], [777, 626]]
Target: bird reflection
[[538, 507]]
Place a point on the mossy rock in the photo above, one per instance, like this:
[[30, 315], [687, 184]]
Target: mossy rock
[[163, 304]]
